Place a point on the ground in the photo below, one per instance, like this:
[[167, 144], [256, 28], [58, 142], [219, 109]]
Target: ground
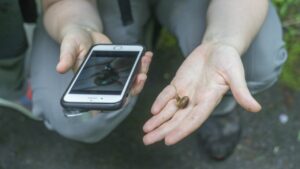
[[267, 142]]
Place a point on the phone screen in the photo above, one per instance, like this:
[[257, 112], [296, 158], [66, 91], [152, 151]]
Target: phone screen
[[105, 72]]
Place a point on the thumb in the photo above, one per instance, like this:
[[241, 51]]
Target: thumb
[[67, 58], [240, 90]]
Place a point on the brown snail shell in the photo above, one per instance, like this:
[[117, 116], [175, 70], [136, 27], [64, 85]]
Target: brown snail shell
[[181, 103]]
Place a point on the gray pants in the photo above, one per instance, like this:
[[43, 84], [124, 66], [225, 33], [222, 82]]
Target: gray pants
[[186, 19]]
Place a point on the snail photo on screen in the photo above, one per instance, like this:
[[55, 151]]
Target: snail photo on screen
[[104, 74]]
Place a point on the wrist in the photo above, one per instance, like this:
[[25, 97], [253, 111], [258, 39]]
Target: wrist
[[209, 51], [216, 44], [76, 28], [221, 40]]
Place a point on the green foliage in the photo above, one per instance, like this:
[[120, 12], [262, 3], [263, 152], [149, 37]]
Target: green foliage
[[290, 16], [284, 5], [291, 70]]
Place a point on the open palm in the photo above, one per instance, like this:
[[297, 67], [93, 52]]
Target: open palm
[[205, 76]]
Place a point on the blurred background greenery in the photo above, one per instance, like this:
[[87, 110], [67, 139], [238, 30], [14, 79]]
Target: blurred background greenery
[[289, 11]]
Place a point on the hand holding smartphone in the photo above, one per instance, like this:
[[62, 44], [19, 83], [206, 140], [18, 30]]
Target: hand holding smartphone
[[104, 79]]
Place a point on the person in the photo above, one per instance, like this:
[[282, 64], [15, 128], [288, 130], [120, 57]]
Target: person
[[233, 49]]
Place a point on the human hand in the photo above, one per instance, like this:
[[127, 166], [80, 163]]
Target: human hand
[[76, 42], [205, 76]]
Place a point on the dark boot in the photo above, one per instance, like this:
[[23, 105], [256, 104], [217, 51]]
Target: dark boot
[[219, 135]]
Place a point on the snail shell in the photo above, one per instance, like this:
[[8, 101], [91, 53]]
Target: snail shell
[[181, 103]]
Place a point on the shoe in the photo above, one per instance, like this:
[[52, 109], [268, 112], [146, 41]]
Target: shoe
[[22, 104], [219, 135]]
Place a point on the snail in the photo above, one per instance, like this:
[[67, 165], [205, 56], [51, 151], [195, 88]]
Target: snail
[[182, 102]]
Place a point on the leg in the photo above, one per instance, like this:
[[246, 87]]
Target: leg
[[12, 76], [48, 87], [13, 45]]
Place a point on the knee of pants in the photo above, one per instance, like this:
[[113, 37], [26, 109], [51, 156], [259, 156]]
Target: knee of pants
[[90, 129], [85, 128], [91, 135], [263, 65], [70, 133]]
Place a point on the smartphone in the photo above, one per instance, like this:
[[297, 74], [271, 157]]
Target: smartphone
[[104, 79]]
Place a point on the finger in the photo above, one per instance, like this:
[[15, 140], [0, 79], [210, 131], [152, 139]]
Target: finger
[[83, 50], [162, 99], [241, 92], [142, 77], [192, 121], [160, 133], [138, 84], [95, 37], [146, 60], [165, 115], [68, 52]]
